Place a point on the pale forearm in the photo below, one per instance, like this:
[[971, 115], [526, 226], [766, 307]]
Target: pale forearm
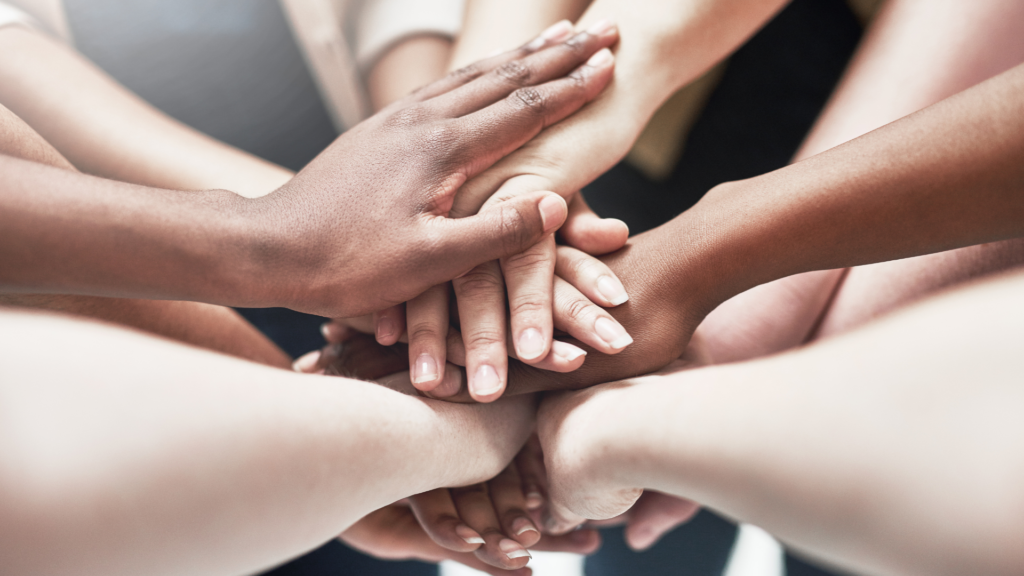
[[104, 129], [225, 466], [851, 449]]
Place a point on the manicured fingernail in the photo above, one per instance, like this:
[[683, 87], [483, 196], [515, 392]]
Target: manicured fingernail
[[567, 351], [468, 534], [513, 549], [306, 362], [485, 382], [530, 344], [601, 58], [424, 369], [534, 500], [612, 333], [385, 328], [552, 211], [552, 34], [523, 525], [610, 288], [600, 27]]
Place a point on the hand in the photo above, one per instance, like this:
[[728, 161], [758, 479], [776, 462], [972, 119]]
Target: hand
[[365, 225], [394, 533]]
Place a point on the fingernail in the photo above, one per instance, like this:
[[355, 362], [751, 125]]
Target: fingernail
[[485, 382], [612, 333], [552, 34], [385, 328], [522, 525], [513, 549], [534, 499], [611, 289], [424, 369], [601, 58], [567, 351], [600, 27], [552, 211], [326, 330], [530, 345], [306, 362], [468, 534]]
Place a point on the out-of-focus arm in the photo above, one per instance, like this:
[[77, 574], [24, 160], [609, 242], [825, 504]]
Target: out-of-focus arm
[[132, 455], [104, 129]]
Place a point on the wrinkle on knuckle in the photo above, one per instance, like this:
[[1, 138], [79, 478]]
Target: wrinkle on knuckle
[[575, 309], [408, 117], [483, 336], [530, 99], [466, 73], [424, 333], [513, 228], [479, 282], [515, 72], [527, 261], [531, 304]]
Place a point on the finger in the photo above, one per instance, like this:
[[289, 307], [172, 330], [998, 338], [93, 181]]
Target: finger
[[525, 112], [389, 324], [436, 513], [655, 514], [477, 511], [593, 278], [339, 331], [583, 541], [529, 277], [554, 34], [532, 475], [586, 231], [507, 229], [509, 502], [427, 321], [563, 357], [532, 70], [481, 301], [586, 321], [363, 324], [559, 520], [363, 358]]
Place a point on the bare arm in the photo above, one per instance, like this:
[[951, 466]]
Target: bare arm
[[104, 129], [895, 449], [202, 464]]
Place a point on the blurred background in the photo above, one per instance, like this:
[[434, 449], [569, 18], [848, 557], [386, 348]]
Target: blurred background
[[282, 78]]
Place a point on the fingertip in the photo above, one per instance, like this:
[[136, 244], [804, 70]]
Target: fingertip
[[553, 211], [307, 362]]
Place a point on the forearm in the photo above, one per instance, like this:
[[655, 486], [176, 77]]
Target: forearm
[[493, 25], [64, 232], [946, 177], [851, 449], [104, 129], [239, 465]]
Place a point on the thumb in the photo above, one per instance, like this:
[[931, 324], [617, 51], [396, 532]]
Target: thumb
[[505, 229], [588, 232]]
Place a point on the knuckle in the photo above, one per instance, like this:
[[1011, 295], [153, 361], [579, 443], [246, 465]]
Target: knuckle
[[530, 99], [574, 309], [466, 73], [515, 72], [585, 267], [527, 261], [482, 279], [513, 227], [530, 304], [482, 336], [424, 333], [408, 117]]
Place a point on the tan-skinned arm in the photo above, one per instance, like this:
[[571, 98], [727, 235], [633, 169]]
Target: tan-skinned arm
[[204, 325]]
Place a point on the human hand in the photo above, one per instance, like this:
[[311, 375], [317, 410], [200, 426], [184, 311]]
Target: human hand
[[365, 225]]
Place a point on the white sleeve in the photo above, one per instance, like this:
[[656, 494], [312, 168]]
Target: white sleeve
[[382, 23], [11, 16]]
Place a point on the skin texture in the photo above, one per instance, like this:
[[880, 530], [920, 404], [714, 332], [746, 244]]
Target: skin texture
[[209, 464], [854, 465], [277, 237]]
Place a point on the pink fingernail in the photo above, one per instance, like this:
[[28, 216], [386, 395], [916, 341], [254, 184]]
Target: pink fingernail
[[523, 525], [468, 534], [612, 290], [612, 333], [306, 362], [385, 328], [601, 58], [530, 344], [485, 382], [424, 369], [513, 549], [553, 211], [534, 500], [601, 27], [567, 351], [552, 34]]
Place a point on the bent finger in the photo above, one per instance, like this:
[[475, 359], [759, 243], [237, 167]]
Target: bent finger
[[529, 277], [477, 511], [389, 324], [436, 513], [427, 327], [509, 502], [586, 231], [593, 278]]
